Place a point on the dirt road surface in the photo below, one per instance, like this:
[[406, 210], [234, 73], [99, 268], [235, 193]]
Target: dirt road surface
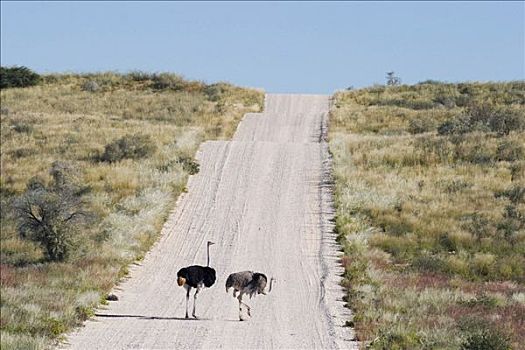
[[264, 199]]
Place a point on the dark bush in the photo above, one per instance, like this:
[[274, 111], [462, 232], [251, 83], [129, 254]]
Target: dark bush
[[129, 147], [189, 164], [439, 147], [455, 185], [485, 117], [405, 102], [513, 220], [22, 152], [22, 127], [486, 339], [500, 119], [477, 224], [421, 124], [429, 263], [431, 82], [139, 76], [477, 154], [510, 151], [517, 170], [12, 77], [214, 92], [164, 81], [481, 335], [52, 215], [456, 126]]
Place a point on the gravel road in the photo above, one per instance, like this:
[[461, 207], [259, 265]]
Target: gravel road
[[264, 199]]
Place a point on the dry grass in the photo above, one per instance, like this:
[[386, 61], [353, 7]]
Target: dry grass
[[433, 224], [66, 119]]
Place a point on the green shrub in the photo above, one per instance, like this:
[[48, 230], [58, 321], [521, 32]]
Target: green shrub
[[189, 164], [13, 77], [445, 100], [54, 326], [139, 76], [513, 219], [84, 312], [129, 147], [51, 215], [517, 170], [499, 119], [440, 147], [421, 124], [455, 126], [484, 300], [516, 194], [395, 340], [22, 127], [429, 263], [167, 81], [477, 224], [486, 339], [510, 151], [216, 91], [22, 152], [485, 118]]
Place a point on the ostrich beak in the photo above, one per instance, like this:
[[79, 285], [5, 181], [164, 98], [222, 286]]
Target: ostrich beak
[[181, 281], [211, 243]]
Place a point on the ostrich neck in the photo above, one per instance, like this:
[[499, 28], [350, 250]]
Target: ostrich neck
[[208, 250], [271, 282]]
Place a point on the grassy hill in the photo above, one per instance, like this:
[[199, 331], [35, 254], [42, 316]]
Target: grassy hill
[[430, 196], [91, 165]]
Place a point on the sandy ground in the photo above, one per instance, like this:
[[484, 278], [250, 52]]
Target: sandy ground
[[264, 199]]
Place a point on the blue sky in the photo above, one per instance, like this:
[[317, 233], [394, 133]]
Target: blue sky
[[309, 47]]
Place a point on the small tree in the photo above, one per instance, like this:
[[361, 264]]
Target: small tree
[[392, 80], [51, 215]]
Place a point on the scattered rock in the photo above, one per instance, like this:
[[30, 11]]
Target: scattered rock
[[90, 86]]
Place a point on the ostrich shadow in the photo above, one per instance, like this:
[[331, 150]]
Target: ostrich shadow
[[142, 317]]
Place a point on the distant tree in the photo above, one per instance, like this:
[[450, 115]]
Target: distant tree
[[17, 77], [392, 80]]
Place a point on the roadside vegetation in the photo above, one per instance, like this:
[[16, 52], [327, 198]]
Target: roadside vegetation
[[91, 166], [430, 199]]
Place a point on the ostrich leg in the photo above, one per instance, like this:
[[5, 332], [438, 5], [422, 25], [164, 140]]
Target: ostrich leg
[[195, 301], [188, 288], [240, 306]]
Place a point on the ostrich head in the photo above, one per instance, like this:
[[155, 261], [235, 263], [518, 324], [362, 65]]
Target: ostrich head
[[181, 277], [260, 280]]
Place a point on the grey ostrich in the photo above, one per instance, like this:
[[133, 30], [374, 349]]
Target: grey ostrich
[[247, 282], [198, 277]]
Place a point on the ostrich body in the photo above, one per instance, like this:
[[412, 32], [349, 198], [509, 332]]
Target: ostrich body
[[247, 282], [197, 277]]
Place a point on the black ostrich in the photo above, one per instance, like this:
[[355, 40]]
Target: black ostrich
[[198, 277]]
